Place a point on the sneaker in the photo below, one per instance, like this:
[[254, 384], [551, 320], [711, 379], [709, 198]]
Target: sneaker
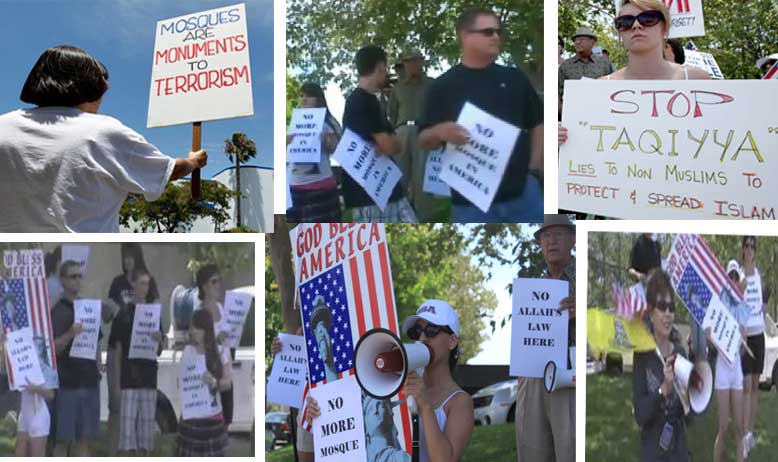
[[746, 445], [751, 441]]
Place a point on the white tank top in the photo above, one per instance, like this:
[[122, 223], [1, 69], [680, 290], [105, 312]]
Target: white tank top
[[440, 416], [685, 74]]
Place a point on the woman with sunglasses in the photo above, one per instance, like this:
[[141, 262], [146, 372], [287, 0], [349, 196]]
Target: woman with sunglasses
[[751, 284], [658, 409], [643, 26]]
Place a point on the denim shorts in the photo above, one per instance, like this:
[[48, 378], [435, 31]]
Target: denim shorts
[[78, 413]]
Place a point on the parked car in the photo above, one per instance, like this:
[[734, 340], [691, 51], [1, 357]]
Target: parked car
[[496, 404], [769, 377], [278, 423]]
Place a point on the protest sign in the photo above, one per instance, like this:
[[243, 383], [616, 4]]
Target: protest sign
[[704, 61], [375, 173], [432, 182], [307, 125], [200, 69], [197, 401], [669, 149], [287, 378], [23, 359], [24, 303], [78, 254], [339, 433], [344, 286], [686, 18], [703, 285], [236, 308], [475, 169], [146, 322], [539, 329], [772, 73], [87, 313]]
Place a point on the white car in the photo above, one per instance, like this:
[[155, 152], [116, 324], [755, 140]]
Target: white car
[[769, 375], [496, 404]]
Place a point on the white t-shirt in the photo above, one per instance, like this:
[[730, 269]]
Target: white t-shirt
[[66, 170], [753, 296]]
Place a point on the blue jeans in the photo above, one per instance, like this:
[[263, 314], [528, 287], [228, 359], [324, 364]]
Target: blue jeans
[[527, 208], [78, 413]]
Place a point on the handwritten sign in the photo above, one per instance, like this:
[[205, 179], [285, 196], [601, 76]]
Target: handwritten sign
[[432, 182], [306, 125], [236, 308], [686, 18], [704, 61], [23, 359], [539, 330], [200, 69], [87, 313], [475, 169], [339, 433], [146, 322], [78, 254], [669, 149], [376, 174], [287, 378], [197, 401]]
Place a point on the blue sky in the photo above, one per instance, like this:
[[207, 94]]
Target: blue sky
[[120, 33]]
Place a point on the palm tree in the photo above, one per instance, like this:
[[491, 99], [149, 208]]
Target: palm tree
[[243, 149]]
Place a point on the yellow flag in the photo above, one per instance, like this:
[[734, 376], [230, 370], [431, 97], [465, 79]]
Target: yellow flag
[[606, 332]]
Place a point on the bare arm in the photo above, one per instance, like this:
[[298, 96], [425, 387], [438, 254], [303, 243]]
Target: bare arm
[[386, 144], [184, 167], [226, 381], [446, 132], [536, 146], [62, 341], [450, 444]]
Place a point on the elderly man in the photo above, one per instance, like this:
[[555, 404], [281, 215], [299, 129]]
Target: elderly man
[[545, 422], [584, 63]]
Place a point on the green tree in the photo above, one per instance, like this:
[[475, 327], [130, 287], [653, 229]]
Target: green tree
[[243, 149], [293, 92], [175, 211]]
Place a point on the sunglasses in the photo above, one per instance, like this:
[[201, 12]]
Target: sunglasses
[[664, 306], [749, 246], [487, 31], [74, 276], [414, 333], [646, 19]]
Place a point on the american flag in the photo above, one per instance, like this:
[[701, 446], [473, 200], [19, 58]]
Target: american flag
[[694, 293], [772, 73], [25, 302], [629, 301], [360, 296]]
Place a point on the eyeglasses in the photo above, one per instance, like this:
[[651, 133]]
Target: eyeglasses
[[665, 305], [487, 31], [646, 19], [548, 234], [414, 333]]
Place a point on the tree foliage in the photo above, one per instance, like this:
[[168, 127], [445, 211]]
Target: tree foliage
[[322, 37], [242, 148]]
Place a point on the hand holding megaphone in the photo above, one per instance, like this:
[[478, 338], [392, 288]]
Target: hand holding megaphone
[[414, 388], [669, 373]]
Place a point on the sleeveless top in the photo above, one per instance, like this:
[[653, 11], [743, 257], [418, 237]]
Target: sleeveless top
[[685, 74], [440, 416]]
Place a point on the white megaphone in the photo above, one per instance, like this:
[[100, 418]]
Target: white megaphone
[[382, 362], [687, 374], [556, 377]]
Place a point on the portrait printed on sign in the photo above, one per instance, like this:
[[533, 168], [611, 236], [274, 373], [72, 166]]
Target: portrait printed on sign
[[345, 289]]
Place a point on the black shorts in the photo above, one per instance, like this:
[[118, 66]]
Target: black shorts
[[754, 365]]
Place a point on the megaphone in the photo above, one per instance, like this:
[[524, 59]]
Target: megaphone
[[556, 377], [382, 362], [687, 374]]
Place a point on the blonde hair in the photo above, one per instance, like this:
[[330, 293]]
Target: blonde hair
[[646, 5]]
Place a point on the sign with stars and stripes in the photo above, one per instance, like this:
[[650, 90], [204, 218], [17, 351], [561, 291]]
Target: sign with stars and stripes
[[702, 284], [25, 315], [344, 284]]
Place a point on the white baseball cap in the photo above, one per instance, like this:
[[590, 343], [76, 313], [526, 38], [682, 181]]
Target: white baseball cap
[[733, 266], [438, 312]]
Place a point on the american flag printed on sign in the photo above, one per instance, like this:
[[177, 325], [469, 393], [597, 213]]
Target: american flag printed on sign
[[694, 293], [25, 303], [360, 296], [772, 73], [629, 301]]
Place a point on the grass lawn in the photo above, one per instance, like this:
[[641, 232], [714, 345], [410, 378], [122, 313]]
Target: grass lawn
[[493, 443], [612, 434]]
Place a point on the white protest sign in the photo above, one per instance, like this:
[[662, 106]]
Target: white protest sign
[[236, 308], [339, 432], [289, 202], [287, 378], [87, 313], [78, 254], [475, 169], [686, 18], [200, 68], [539, 329], [306, 125], [197, 401], [669, 149], [376, 174], [704, 61], [432, 182], [146, 322], [23, 360], [725, 331]]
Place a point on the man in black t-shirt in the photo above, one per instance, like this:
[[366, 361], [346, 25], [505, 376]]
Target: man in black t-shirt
[[505, 93], [363, 116]]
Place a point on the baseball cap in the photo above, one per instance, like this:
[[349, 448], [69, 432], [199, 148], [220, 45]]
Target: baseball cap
[[434, 311]]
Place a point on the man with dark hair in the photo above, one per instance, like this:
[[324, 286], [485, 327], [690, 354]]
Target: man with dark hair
[[505, 93], [363, 116], [673, 51]]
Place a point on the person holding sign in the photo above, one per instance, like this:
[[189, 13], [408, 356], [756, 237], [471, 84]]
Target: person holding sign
[[137, 377], [206, 437], [363, 115], [545, 422], [314, 189], [77, 401], [503, 92], [755, 328], [69, 168]]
